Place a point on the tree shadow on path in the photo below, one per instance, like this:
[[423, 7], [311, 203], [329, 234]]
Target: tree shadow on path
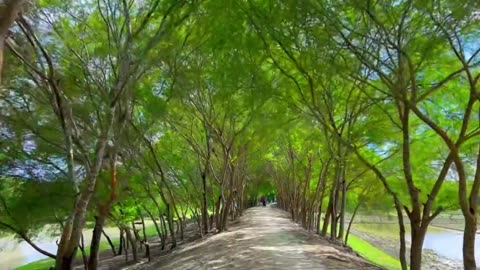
[[263, 238]]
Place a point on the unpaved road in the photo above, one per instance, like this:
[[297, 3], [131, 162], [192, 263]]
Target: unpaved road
[[263, 238]]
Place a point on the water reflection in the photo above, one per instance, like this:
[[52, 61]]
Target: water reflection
[[15, 253], [448, 244]]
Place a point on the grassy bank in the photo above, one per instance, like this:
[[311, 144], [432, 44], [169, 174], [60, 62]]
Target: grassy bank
[[373, 254], [45, 264]]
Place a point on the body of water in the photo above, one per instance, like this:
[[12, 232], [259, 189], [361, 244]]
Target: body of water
[[448, 244], [444, 242], [15, 253]]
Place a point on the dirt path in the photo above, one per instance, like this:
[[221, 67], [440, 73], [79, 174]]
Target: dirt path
[[263, 238]]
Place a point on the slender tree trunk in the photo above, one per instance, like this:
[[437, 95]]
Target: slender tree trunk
[[334, 218], [112, 246], [84, 254], [135, 234], [469, 235], [165, 230], [204, 203], [27, 239], [351, 221], [155, 223], [343, 207], [144, 232], [403, 245], [125, 246], [225, 213], [122, 244], [322, 186], [130, 238], [319, 216], [170, 226], [471, 220], [328, 215], [217, 213], [95, 243]]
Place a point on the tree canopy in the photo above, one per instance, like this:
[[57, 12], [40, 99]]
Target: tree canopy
[[191, 111]]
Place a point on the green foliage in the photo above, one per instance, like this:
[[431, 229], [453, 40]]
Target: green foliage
[[236, 100]]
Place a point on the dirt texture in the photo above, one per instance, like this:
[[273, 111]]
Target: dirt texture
[[263, 238]]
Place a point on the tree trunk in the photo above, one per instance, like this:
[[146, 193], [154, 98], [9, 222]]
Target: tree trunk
[[84, 254], [170, 226], [471, 220], [71, 234], [403, 245], [28, 240], [351, 222], [125, 246], [217, 213], [327, 217], [67, 259], [418, 237], [112, 246], [204, 204], [155, 223], [144, 232], [343, 204], [333, 217], [121, 245], [319, 217], [469, 235], [225, 213], [135, 233], [204, 181], [165, 231], [132, 243], [95, 243], [8, 15]]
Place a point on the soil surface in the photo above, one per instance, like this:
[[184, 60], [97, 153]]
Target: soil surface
[[263, 238]]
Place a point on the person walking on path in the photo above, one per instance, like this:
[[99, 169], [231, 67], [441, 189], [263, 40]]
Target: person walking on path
[[264, 201]]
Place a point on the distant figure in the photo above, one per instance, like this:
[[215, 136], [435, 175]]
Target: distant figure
[[264, 201]]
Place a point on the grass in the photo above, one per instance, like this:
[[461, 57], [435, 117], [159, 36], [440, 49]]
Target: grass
[[38, 265], [373, 254], [45, 264]]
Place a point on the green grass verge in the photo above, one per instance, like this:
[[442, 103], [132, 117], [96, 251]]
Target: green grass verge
[[373, 254], [44, 264]]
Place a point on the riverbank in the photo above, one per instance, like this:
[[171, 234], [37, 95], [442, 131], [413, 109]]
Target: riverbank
[[19, 255], [386, 239]]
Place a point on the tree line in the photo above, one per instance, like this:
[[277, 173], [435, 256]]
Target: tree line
[[189, 111]]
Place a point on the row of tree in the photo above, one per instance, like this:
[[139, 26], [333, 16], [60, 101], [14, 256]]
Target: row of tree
[[191, 110], [119, 111]]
